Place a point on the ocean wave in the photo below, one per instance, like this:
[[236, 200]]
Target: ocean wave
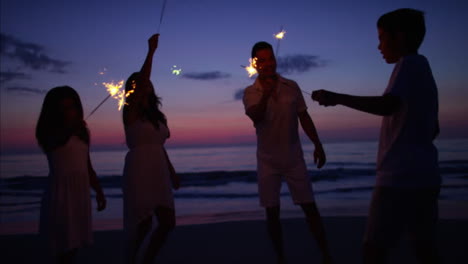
[[450, 168]]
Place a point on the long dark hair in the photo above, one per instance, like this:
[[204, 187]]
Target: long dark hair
[[151, 112], [51, 131]]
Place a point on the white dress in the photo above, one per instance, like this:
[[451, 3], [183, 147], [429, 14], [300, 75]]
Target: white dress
[[66, 203], [146, 178]]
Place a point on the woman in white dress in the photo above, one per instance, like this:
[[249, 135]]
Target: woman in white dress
[[148, 172], [66, 205]]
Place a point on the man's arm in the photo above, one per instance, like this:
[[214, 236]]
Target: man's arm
[[309, 128], [377, 105], [257, 112]]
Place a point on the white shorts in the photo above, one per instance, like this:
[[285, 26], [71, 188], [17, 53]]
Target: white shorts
[[269, 184]]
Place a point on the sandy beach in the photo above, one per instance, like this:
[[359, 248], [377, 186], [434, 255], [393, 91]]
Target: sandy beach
[[244, 242]]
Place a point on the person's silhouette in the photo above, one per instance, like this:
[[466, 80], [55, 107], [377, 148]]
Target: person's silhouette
[[408, 180], [276, 107], [148, 173]]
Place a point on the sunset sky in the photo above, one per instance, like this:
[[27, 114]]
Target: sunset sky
[[329, 44]]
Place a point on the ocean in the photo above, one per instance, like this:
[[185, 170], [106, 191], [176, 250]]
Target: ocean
[[219, 183]]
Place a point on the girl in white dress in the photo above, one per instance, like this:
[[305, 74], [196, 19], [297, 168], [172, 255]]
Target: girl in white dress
[[148, 172], [66, 205]]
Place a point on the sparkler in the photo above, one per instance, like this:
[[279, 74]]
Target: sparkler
[[176, 71], [305, 92], [279, 36], [163, 8], [114, 92], [251, 70]]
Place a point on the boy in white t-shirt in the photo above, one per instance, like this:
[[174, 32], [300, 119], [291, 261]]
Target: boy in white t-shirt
[[408, 180]]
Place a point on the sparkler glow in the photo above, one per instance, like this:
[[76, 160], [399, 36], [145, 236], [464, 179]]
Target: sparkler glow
[[279, 36], [103, 71], [176, 71], [115, 92], [251, 69]]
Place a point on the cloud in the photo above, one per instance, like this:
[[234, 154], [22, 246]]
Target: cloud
[[239, 94], [206, 76], [25, 90], [10, 76], [298, 63], [31, 55]]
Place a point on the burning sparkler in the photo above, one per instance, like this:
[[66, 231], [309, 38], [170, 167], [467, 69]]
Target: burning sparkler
[[114, 91], [251, 69], [175, 70], [279, 36]]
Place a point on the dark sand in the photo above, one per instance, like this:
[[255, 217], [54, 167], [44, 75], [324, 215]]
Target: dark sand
[[244, 242]]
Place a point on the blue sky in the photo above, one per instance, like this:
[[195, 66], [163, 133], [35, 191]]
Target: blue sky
[[75, 40]]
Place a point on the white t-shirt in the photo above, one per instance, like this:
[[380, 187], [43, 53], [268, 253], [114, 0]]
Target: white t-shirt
[[407, 156], [278, 142]]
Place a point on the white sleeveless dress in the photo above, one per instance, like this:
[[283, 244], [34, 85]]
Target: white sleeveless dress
[[146, 178], [66, 204]]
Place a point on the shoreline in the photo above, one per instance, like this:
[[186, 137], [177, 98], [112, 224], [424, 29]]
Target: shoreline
[[245, 242], [448, 210]]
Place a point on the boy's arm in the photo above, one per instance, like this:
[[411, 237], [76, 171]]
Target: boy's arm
[[309, 128], [377, 105], [94, 182]]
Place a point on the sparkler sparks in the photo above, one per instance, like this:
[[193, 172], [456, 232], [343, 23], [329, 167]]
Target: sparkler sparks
[[176, 71], [104, 70], [116, 93], [280, 35], [251, 69]]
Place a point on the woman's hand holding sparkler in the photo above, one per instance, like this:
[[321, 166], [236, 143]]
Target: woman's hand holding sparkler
[[147, 65]]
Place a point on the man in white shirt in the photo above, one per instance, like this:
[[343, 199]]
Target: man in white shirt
[[276, 105]]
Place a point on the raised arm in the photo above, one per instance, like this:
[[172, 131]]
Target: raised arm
[[309, 128], [137, 100], [377, 105], [147, 65]]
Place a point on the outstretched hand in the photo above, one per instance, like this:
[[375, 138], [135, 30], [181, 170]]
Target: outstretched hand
[[153, 42], [325, 98], [319, 156]]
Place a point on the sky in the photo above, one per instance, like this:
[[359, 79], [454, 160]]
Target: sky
[[328, 45]]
